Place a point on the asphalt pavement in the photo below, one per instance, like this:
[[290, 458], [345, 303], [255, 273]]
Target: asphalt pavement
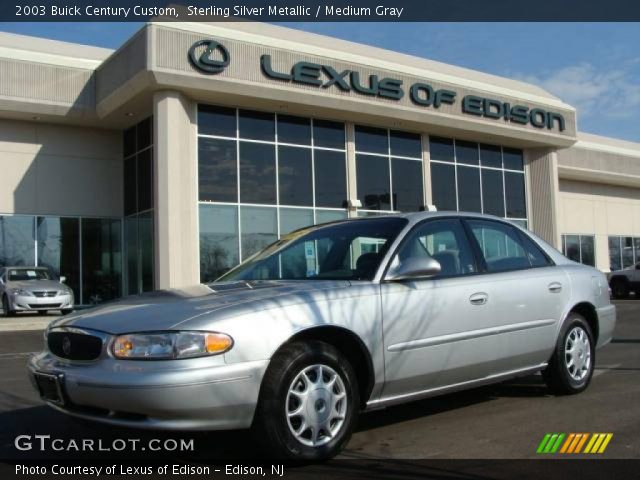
[[503, 421]]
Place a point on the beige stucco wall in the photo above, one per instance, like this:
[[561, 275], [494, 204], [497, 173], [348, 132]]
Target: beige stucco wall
[[59, 170], [600, 210]]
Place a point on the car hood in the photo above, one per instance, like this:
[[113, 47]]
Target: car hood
[[35, 285], [166, 309]]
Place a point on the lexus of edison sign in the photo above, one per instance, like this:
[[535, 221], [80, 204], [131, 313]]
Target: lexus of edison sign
[[420, 93]]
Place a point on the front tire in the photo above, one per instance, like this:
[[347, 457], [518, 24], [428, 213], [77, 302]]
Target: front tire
[[6, 308], [66, 311], [309, 402], [571, 366]]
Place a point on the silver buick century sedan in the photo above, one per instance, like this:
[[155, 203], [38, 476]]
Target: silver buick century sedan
[[329, 321]]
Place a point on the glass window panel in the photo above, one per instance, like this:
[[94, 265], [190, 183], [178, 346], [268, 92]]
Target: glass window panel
[[217, 170], [324, 216], [144, 131], [408, 191], [627, 251], [131, 248], [259, 229], [294, 176], [363, 213], [294, 218], [372, 140], [522, 223], [17, 241], [492, 192], [257, 173], [145, 242], [101, 259], [443, 186], [513, 159], [294, 130], [331, 178], [469, 189], [467, 152], [490, 156], [328, 134], [636, 242], [218, 240], [587, 249], [220, 121], [614, 254], [257, 125], [129, 185], [501, 246], [441, 149], [373, 182], [514, 191], [129, 141], [572, 247], [59, 249], [405, 144], [445, 241], [145, 180]]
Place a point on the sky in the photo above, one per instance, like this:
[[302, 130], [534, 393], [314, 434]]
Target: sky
[[593, 66]]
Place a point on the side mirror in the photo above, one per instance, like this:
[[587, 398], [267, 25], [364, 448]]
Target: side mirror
[[63, 279], [414, 268]]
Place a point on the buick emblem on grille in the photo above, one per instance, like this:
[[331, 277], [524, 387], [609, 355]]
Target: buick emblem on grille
[[66, 345]]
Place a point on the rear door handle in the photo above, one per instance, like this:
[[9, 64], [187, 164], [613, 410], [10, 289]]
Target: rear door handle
[[555, 287], [479, 298]]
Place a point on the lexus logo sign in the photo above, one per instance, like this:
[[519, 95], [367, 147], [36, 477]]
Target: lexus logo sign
[[66, 345], [209, 56]]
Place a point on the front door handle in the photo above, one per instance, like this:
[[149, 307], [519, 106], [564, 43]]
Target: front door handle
[[479, 298], [555, 287]]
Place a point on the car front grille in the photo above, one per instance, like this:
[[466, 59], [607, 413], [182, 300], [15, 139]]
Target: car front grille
[[45, 293], [74, 345]]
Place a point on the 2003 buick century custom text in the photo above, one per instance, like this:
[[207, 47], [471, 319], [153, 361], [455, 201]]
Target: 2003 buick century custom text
[[331, 320]]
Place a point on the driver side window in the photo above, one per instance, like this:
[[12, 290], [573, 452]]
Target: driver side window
[[443, 240]]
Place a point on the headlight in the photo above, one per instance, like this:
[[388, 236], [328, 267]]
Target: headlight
[[170, 345], [22, 292]]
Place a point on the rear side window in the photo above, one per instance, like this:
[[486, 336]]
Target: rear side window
[[504, 248]]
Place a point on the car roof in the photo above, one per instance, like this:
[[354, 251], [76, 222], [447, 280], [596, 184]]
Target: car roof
[[414, 217], [23, 267]]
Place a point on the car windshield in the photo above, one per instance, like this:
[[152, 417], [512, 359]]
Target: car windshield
[[23, 274], [348, 250]]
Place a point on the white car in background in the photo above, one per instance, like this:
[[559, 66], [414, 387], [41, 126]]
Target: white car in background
[[29, 289]]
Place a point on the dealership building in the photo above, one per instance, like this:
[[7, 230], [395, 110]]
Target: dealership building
[[171, 159]]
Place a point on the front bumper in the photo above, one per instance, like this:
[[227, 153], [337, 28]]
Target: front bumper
[[25, 303], [191, 394]]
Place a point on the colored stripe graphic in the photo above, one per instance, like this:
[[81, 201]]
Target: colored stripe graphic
[[550, 443], [598, 443], [572, 443]]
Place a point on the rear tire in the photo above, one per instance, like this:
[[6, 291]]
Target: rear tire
[[6, 308], [571, 366], [620, 288], [309, 402]]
